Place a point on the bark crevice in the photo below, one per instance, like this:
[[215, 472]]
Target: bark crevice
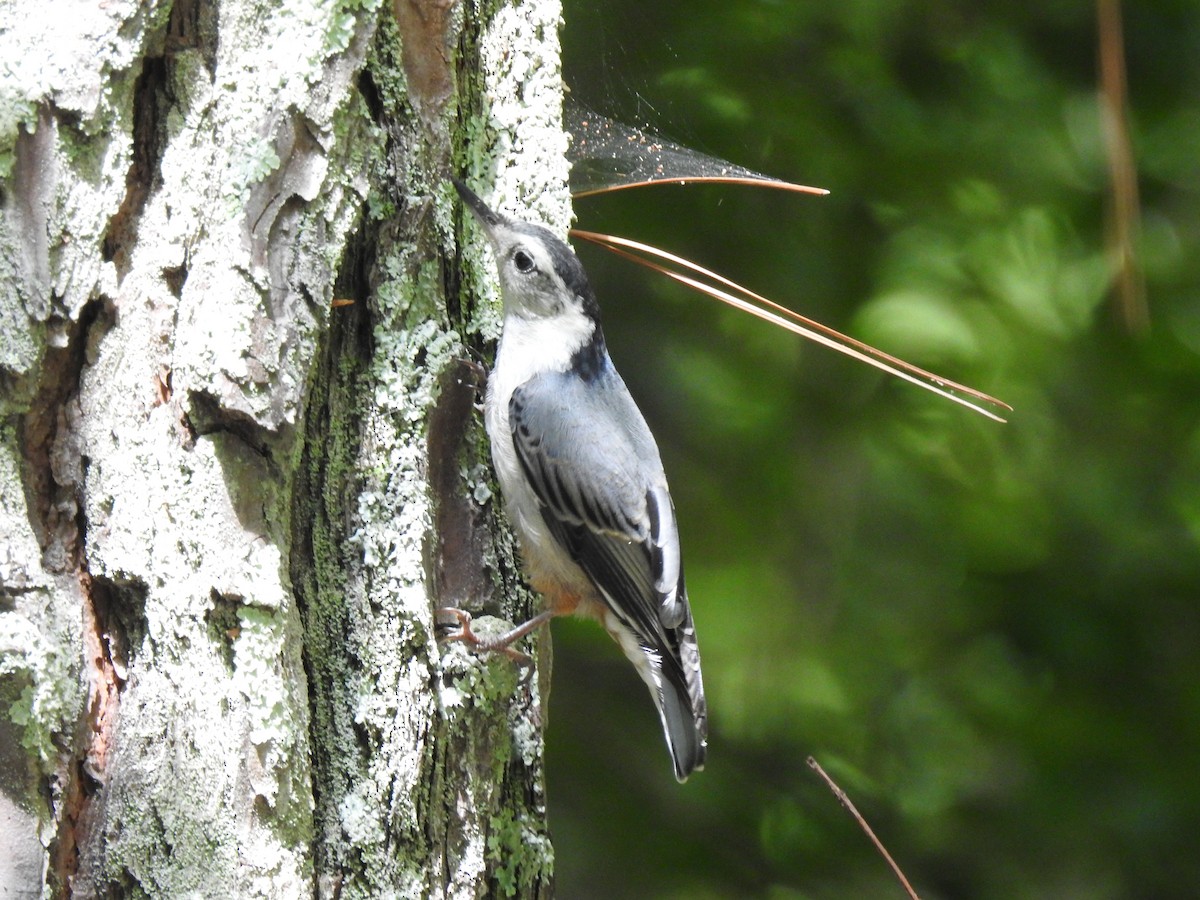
[[323, 492], [52, 448], [151, 99]]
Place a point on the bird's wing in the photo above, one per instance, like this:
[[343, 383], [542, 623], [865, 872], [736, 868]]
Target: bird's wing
[[593, 465]]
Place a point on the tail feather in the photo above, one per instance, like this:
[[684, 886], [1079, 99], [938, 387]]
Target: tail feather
[[681, 704], [685, 727], [672, 673]]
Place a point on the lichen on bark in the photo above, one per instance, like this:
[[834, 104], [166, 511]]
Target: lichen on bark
[[257, 500]]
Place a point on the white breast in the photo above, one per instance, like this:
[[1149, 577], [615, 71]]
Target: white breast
[[529, 347]]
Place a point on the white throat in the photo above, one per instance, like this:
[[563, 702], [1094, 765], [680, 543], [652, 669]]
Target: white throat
[[531, 346]]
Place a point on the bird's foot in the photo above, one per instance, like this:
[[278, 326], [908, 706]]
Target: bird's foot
[[501, 643]]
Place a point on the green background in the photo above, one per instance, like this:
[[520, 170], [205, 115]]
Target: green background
[[988, 634]]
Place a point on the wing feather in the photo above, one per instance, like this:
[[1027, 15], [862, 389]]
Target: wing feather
[[598, 478], [593, 465]]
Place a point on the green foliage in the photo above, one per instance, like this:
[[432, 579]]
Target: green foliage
[[988, 634]]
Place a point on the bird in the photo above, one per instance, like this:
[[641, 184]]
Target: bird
[[582, 479]]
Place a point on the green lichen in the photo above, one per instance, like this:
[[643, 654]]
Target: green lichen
[[387, 70], [479, 684], [325, 478], [342, 21], [16, 113], [519, 852], [381, 206], [257, 160], [51, 696], [161, 824]]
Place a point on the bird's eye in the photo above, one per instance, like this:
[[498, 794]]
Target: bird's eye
[[523, 261]]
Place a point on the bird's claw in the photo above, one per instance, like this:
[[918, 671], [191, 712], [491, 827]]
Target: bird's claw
[[501, 644]]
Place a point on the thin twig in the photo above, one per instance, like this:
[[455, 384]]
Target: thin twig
[[862, 823], [1123, 214]]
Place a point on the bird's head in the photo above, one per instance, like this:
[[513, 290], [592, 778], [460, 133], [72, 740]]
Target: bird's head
[[540, 276]]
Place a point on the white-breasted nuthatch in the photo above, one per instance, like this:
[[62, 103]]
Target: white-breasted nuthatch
[[582, 479]]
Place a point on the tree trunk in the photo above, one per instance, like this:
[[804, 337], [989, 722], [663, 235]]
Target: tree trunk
[[230, 502]]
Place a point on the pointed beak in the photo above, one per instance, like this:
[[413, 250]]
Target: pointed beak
[[488, 219]]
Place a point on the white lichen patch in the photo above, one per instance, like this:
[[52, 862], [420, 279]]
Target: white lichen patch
[[20, 555], [71, 63], [526, 731], [209, 293], [516, 149], [523, 90], [209, 755], [258, 675], [186, 522], [72, 179]]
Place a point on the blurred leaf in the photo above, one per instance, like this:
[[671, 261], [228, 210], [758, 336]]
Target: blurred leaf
[[988, 633]]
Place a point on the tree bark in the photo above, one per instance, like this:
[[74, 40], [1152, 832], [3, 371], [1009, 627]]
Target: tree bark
[[229, 501]]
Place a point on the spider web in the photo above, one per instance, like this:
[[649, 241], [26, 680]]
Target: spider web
[[607, 155]]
